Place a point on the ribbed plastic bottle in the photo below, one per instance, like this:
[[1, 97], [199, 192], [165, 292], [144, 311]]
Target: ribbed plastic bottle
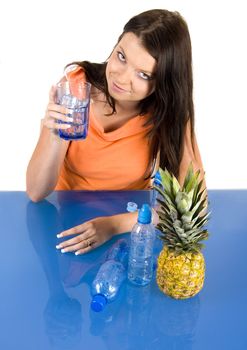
[[110, 276], [140, 266], [155, 194]]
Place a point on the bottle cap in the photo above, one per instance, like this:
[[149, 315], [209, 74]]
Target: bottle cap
[[145, 214], [131, 207], [157, 179], [158, 176], [98, 302]]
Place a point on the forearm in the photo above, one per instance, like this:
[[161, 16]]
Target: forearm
[[45, 164], [122, 223]]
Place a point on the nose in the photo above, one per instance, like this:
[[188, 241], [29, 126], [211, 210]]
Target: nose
[[124, 76]]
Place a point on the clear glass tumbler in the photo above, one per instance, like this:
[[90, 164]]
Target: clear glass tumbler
[[75, 96]]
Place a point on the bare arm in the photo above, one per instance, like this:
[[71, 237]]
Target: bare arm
[[191, 154], [45, 164]]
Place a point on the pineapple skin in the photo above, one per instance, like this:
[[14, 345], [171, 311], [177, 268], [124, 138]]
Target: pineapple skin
[[180, 276]]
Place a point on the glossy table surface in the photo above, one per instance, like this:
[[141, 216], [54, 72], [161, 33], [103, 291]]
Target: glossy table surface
[[45, 295]]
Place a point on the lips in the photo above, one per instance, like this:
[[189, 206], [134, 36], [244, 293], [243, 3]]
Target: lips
[[117, 88]]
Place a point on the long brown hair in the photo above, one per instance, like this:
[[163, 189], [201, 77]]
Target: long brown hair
[[165, 36]]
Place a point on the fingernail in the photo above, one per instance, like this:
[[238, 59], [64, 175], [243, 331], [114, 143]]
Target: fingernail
[[63, 250], [59, 235], [77, 253], [58, 246]]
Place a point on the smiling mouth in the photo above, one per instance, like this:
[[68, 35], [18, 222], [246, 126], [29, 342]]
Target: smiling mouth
[[118, 88]]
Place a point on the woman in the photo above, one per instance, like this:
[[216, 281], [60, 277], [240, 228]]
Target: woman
[[141, 117]]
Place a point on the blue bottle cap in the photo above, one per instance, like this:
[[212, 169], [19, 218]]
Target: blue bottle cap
[[158, 176], [145, 214], [98, 302], [131, 207], [158, 179]]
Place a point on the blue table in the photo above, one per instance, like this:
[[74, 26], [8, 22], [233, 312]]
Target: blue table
[[45, 295]]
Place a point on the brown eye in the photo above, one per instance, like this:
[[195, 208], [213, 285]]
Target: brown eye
[[120, 56], [144, 76]]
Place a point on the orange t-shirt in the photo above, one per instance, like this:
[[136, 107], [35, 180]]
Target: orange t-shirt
[[116, 160]]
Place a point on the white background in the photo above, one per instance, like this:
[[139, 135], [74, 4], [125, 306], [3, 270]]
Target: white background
[[37, 40]]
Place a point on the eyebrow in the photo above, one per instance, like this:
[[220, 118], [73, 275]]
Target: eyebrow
[[143, 70]]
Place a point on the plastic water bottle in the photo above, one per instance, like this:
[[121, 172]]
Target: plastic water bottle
[[155, 194], [110, 276], [140, 266]]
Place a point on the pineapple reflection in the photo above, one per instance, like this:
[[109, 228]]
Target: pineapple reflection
[[62, 314], [177, 327]]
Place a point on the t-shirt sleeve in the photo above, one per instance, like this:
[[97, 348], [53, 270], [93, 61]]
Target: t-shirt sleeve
[[75, 73]]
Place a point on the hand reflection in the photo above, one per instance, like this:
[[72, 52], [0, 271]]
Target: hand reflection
[[62, 314]]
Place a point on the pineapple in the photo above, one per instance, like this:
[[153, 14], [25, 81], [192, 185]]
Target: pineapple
[[182, 216]]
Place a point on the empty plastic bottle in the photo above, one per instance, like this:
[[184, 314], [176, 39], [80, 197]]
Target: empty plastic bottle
[[140, 266], [110, 276], [155, 194]]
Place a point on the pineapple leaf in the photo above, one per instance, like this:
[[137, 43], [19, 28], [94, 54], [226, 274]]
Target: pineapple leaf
[[167, 199], [200, 208], [166, 224], [182, 212], [197, 192], [183, 202], [192, 182], [167, 182], [202, 220], [188, 176], [175, 186]]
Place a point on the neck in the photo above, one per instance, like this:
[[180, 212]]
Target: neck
[[130, 108]]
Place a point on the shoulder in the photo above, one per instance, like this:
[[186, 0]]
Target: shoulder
[[75, 72]]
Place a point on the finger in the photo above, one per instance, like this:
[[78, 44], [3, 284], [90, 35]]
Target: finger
[[85, 250], [59, 112], [56, 121], [61, 117], [52, 124], [89, 248], [80, 229], [52, 94], [59, 108], [79, 242], [73, 247]]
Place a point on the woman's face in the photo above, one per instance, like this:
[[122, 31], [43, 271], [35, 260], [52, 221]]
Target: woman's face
[[130, 70]]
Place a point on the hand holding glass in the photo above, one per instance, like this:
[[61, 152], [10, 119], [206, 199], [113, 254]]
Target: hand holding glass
[[76, 97]]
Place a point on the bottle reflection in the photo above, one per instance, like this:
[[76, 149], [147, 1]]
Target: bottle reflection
[[139, 304], [62, 314], [144, 317], [128, 317]]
